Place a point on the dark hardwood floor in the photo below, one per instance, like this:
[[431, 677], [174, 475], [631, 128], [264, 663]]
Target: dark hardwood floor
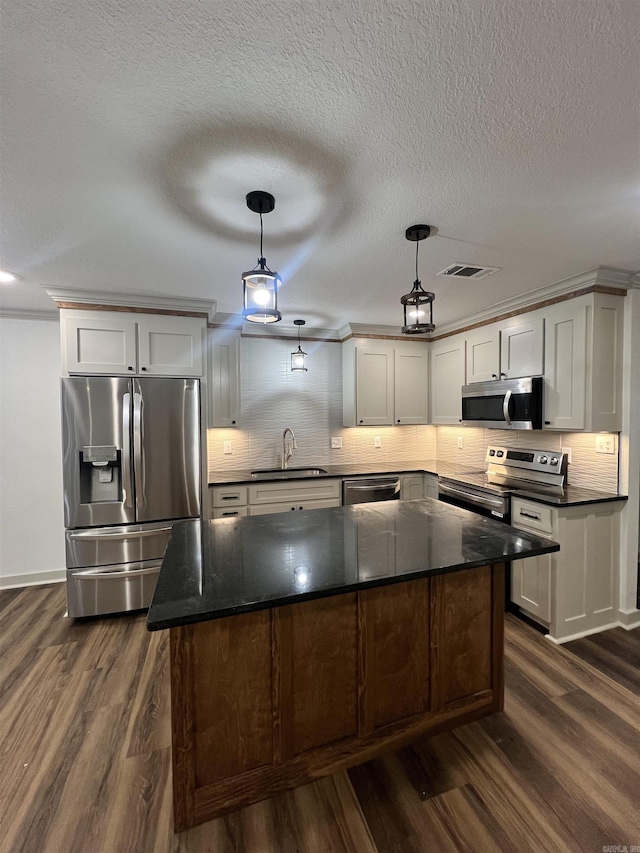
[[85, 754]]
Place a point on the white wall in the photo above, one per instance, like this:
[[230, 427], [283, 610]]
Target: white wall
[[31, 517]]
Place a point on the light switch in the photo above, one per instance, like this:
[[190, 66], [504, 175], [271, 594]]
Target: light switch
[[377, 442], [228, 448]]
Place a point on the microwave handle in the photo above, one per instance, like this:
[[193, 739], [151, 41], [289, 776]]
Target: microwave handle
[[505, 408]]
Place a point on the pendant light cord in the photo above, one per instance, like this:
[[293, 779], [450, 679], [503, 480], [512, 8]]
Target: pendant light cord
[[261, 233], [417, 246]]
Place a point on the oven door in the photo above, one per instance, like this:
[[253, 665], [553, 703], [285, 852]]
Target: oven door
[[475, 500]]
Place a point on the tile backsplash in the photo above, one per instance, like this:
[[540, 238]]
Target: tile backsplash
[[311, 404], [587, 469]]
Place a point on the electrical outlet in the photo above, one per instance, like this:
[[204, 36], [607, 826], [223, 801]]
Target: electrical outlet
[[228, 448], [605, 444], [377, 442], [566, 450], [460, 443], [336, 442]]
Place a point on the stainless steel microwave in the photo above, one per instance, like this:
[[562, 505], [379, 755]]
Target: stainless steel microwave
[[504, 403]]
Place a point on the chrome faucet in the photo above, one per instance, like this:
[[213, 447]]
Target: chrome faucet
[[288, 446]]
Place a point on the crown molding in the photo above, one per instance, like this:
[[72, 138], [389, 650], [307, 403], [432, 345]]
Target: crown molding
[[29, 314], [609, 277], [141, 301]]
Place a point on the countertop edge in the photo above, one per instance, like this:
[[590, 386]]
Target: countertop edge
[[252, 607]]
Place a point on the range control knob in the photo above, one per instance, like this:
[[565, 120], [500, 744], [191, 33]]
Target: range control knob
[[543, 460], [553, 461], [492, 453], [500, 453]]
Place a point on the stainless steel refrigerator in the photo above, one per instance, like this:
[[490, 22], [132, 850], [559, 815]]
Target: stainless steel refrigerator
[[131, 467]]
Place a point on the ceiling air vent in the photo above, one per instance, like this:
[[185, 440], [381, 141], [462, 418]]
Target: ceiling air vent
[[468, 271]]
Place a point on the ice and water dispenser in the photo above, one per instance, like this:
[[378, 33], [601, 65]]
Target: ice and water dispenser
[[100, 474]]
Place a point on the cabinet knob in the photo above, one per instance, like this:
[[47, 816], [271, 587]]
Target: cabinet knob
[[361, 421], [130, 368], [398, 420], [300, 507], [504, 374], [143, 368], [547, 423], [494, 375], [233, 422]]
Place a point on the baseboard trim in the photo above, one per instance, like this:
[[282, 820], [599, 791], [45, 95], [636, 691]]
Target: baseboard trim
[[629, 619], [580, 634], [33, 579]]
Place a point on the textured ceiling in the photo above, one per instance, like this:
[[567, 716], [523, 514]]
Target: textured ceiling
[[132, 130]]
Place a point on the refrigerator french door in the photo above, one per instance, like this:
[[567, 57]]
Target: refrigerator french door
[[131, 467]]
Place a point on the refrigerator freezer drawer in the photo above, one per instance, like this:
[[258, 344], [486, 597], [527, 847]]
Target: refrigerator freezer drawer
[[107, 546], [111, 589]]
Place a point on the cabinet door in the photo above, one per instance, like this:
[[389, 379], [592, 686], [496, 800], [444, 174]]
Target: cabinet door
[[99, 342], [224, 348], [565, 366], [522, 349], [170, 346], [483, 354], [447, 379], [531, 586], [431, 486], [374, 386], [411, 382], [411, 488]]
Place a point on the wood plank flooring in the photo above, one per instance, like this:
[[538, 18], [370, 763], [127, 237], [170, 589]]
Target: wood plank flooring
[[85, 754]]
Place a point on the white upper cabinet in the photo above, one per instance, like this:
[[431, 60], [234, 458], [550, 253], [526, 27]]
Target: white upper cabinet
[[384, 383], [99, 342], [170, 346], [411, 371], [506, 350], [447, 379], [522, 348], [374, 386], [224, 351], [583, 363], [483, 354], [113, 342]]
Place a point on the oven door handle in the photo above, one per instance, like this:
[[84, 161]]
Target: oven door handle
[[505, 407], [471, 497]]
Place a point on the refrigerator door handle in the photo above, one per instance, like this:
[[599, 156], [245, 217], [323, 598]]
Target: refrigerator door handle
[[127, 484], [85, 535], [138, 451], [119, 574]]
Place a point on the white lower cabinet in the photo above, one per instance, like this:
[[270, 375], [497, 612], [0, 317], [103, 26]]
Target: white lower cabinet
[[267, 509], [411, 487], [270, 497], [572, 591], [430, 486]]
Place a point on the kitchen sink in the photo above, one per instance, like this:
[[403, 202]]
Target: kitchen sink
[[287, 473]]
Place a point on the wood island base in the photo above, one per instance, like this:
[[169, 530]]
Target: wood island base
[[266, 701]]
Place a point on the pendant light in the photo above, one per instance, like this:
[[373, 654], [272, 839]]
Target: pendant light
[[260, 285], [415, 303], [298, 357]]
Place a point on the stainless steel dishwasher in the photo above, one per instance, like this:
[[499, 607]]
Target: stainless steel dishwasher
[[366, 490]]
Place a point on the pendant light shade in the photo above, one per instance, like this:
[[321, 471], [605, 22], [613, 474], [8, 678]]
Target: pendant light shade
[[418, 305], [298, 357], [260, 285]]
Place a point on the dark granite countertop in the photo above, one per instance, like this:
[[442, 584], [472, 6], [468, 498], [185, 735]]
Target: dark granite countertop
[[571, 496], [232, 566]]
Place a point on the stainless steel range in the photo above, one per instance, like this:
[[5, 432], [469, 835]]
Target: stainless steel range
[[509, 469]]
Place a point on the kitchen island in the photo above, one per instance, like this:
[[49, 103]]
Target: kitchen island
[[303, 644]]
